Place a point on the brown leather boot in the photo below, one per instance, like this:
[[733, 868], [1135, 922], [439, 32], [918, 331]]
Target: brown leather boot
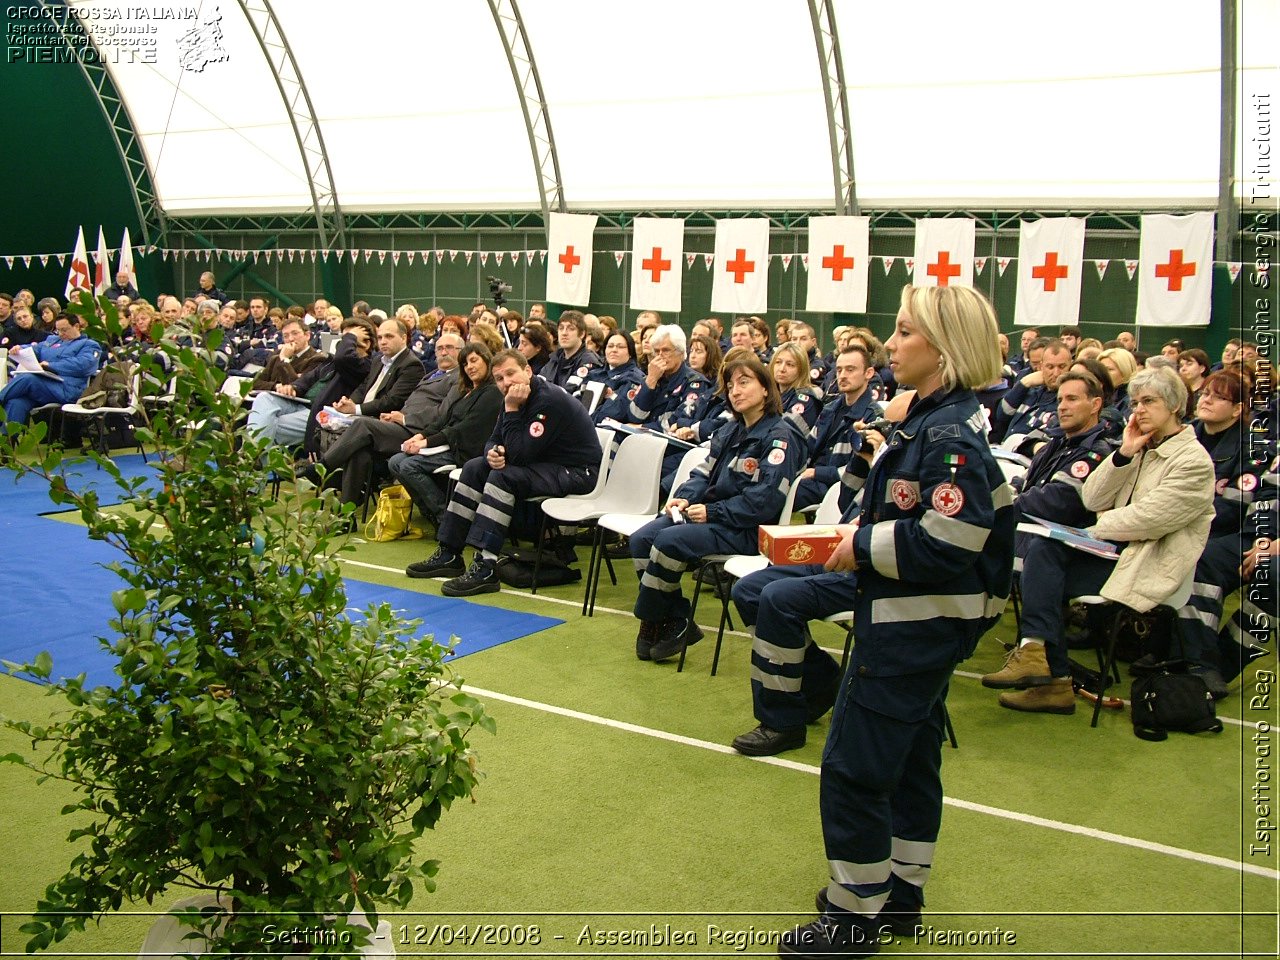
[[1025, 666], [1056, 696]]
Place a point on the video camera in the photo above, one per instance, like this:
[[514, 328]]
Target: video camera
[[498, 290]]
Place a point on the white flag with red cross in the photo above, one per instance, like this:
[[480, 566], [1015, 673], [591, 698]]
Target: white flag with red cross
[[1175, 270], [102, 266], [741, 283], [657, 255], [569, 239], [838, 261], [944, 252], [1050, 261], [78, 277]]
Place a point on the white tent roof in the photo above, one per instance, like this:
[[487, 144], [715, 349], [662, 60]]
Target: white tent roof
[[712, 103]]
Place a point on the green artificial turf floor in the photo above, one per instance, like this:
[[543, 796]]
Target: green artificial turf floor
[[612, 809]]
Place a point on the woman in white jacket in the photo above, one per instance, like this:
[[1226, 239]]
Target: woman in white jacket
[[1154, 499]]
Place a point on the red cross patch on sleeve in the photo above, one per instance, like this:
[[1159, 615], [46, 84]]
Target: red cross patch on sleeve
[[798, 408], [1247, 482], [536, 429], [948, 499], [1080, 469], [776, 456]]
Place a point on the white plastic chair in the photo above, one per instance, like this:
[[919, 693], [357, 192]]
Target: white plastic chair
[[628, 523], [98, 416]]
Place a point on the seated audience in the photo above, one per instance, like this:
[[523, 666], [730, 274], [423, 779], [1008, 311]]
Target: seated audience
[[455, 435], [621, 376], [838, 433], [535, 346], [543, 445], [571, 365], [1121, 367], [1031, 403], [1193, 367], [294, 358], [1154, 497], [670, 388]]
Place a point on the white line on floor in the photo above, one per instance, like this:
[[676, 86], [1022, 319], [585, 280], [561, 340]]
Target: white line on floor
[[809, 768], [982, 808]]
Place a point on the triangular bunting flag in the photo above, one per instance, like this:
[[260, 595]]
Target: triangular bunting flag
[[804, 260], [618, 255], [887, 263], [467, 254], [26, 262], [382, 256], [786, 261], [1101, 267], [62, 259], [528, 258], [910, 264], [1131, 267], [1234, 269], [395, 258], [979, 264], [707, 259], [367, 254], [452, 255], [1002, 264], [44, 262], [8, 262], [689, 258]]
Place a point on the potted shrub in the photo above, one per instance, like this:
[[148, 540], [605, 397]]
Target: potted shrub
[[257, 743]]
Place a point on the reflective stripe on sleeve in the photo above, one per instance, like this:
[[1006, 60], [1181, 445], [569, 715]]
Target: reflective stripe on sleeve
[[884, 548], [956, 532]]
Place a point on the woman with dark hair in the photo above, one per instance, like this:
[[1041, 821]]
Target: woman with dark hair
[[1218, 657], [619, 375], [460, 434], [761, 336], [790, 369], [743, 483], [47, 311], [711, 411], [535, 346], [1193, 367], [510, 328]]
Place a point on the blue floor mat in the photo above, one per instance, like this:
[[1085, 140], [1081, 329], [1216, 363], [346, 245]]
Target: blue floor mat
[[69, 604]]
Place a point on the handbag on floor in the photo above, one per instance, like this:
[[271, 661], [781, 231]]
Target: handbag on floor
[[1172, 698], [390, 520]]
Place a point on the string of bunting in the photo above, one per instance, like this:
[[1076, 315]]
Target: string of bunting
[[503, 257]]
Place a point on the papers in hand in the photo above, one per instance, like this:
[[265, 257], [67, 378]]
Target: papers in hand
[[431, 451], [27, 363], [1074, 537]]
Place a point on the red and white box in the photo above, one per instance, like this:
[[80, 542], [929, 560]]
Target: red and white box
[[798, 543]]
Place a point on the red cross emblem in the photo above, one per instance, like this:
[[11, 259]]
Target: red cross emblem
[[655, 265], [1050, 271], [536, 429], [1080, 469], [948, 499], [750, 465], [944, 269], [1175, 269], [569, 259], [837, 263], [740, 266], [904, 494], [1247, 482]]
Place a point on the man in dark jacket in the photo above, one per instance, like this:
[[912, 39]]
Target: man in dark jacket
[[391, 378], [570, 365], [543, 445], [384, 434], [287, 415]]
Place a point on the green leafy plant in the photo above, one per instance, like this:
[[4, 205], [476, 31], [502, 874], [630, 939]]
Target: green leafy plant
[[257, 742]]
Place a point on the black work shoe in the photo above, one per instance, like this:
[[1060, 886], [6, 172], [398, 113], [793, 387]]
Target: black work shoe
[[481, 577], [439, 564], [817, 707], [645, 638], [898, 917], [765, 741], [1213, 679], [830, 935], [621, 550], [674, 636]]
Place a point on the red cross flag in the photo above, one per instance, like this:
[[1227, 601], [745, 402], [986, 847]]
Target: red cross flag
[[944, 252], [1175, 270], [657, 263], [741, 281], [102, 277], [1050, 261], [838, 263], [569, 238], [78, 275]]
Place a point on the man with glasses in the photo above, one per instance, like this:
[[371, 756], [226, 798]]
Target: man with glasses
[[570, 365]]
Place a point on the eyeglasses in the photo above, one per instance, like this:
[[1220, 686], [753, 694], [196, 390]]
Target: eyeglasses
[[663, 351]]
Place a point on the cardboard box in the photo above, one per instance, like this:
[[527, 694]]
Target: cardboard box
[[798, 543]]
